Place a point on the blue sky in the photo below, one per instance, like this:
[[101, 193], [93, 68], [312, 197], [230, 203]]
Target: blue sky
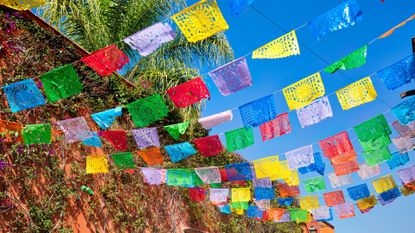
[[250, 29]]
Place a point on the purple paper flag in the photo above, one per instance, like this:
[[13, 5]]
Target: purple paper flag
[[154, 176], [146, 137], [315, 112], [75, 129], [407, 175]]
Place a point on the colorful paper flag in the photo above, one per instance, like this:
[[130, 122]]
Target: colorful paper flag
[[23, 95], [215, 120], [334, 198], [265, 182], [374, 133], [241, 195], [123, 160], [405, 111], [177, 130], [218, 195], [188, 93], [315, 112], [356, 94], [152, 156], [407, 175], [338, 181], [225, 209], [314, 184], [397, 160], [105, 119], [37, 134], [209, 175], [146, 137], [287, 190], [96, 164], [299, 215], [264, 193], [346, 167], [10, 131], [242, 205], [180, 177], [106, 60], [238, 139], [353, 60], [377, 156], [257, 112], [254, 212], [238, 171], [180, 151], [197, 194], [366, 203], [309, 202], [148, 110], [266, 167], [237, 6], [23, 4], [318, 165], [322, 213], [398, 74], [404, 130], [300, 157], [358, 192], [117, 138], [390, 195], [276, 127], [288, 201], [94, 141], [154, 176], [75, 129], [366, 172], [338, 145], [345, 210], [209, 146], [284, 46], [384, 183]]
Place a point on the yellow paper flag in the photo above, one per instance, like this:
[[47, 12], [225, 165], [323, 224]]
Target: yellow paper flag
[[241, 194], [283, 171], [200, 20], [22, 4], [357, 93], [96, 164], [266, 167], [293, 179], [303, 92], [367, 203], [237, 211], [284, 46], [384, 184], [309, 202]]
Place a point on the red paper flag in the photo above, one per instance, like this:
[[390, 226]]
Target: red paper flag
[[209, 146], [346, 167], [106, 61], [336, 145], [197, 194], [288, 191], [223, 175], [188, 93], [117, 138], [334, 198]]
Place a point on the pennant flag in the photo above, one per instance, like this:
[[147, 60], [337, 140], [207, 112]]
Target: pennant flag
[[356, 94], [318, 165], [292, 178], [223, 175], [237, 6], [254, 212], [385, 202], [397, 160], [284, 46], [264, 183], [300, 157], [257, 112], [232, 77], [314, 184], [188, 93], [94, 141], [61, 83], [180, 177], [266, 167], [151, 38], [366, 172], [215, 120], [148, 110], [262, 193], [384, 184], [238, 139], [106, 60], [299, 215], [288, 191], [404, 130], [240, 205], [303, 92], [263, 205], [154, 176], [180, 151], [336, 146], [334, 198], [209, 146], [177, 130], [388, 33], [218, 195], [353, 60], [358, 192], [374, 133], [146, 137], [315, 112], [209, 175], [309, 202], [238, 171], [23, 95], [338, 181], [346, 167], [390, 195], [106, 118], [37, 134], [285, 201], [152, 156], [398, 74], [200, 20], [10, 131], [322, 214], [123, 160], [345, 210], [96, 164], [405, 111], [23, 4], [117, 138], [276, 127], [241, 195], [197, 194], [285, 173], [226, 209], [407, 175], [404, 144], [75, 129], [377, 156], [343, 16], [366, 204]]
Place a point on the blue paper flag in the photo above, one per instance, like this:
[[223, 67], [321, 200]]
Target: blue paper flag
[[23, 95], [226, 209], [237, 6], [254, 212], [318, 165], [93, 141], [239, 171], [259, 111], [390, 194], [327, 219], [288, 201], [358, 192], [405, 111], [178, 152], [397, 160], [398, 74], [106, 118], [262, 193], [345, 15]]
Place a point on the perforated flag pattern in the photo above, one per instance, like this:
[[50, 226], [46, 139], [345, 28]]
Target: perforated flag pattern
[[358, 192], [334, 198], [117, 138], [239, 171], [209, 175], [300, 157], [276, 127], [152, 156], [154, 176], [37, 134], [146, 137], [356, 94], [96, 164], [315, 112], [180, 151], [23, 95], [105, 119], [238, 139], [284, 46], [148, 110], [266, 167], [75, 129], [209, 146], [384, 184], [398, 74], [405, 111], [309, 202], [123, 160], [257, 112], [106, 60], [353, 60], [177, 130]]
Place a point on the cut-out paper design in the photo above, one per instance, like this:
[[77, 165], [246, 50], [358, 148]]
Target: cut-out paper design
[[209, 175], [322, 213], [358, 192], [318, 165], [300, 157], [61, 83], [285, 201], [146, 137], [105, 119], [37, 134], [180, 151], [23, 95], [180, 177], [366, 172], [407, 175], [263, 193], [232, 77], [377, 156], [259, 111], [334, 198], [315, 184], [405, 111], [197, 194], [94, 141], [75, 129], [353, 60], [345, 210], [338, 146], [287, 190], [151, 38], [266, 167], [117, 138], [253, 212], [23, 4], [263, 205], [373, 134], [215, 120], [309, 202], [10, 131], [284, 46], [200, 20], [154, 176], [265, 182], [342, 16], [384, 183], [338, 181], [397, 160], [106, 61], [299, 215], [238, 139], [398, 74], [96, 164], [188, 93], [366, 203], [315, 112], [152, 156], [276, 127], [209, 146], [177, 130], [282, 216], [225, 209], [346, 167], [148, 110], [241, 205], [356, 94], [404, 130], [241, 195], [239, 171], [303, 92], [390, 195], [123, 160], [218, 195]]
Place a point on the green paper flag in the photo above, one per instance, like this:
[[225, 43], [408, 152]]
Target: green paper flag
[[177, 130], [239, 205], [299, 215], [37, 134], [353, 60], [180, 177], [196, 179], [377, 156], [148, 110], [123, 160], [315, 184], [374, 133], [61, 83], [239, 138]]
